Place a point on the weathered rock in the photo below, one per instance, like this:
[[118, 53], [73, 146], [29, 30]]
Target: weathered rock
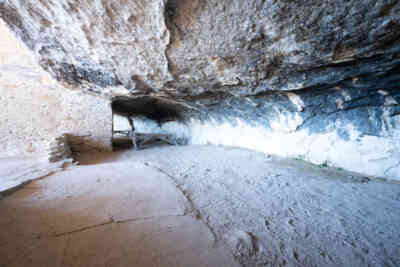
[[354, 125], [310, 79], [277, 45], [103, 42], [205, 45], [59, 149], [35, 109]]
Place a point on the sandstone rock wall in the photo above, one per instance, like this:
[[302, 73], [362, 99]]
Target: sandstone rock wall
[[313, 79], [246, 47], [354, 126], [102, 42], [59, 149], [206, 45], [35, 109]]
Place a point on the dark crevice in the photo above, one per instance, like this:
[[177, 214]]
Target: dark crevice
[[76, 75], [193, 210], [10, 15], [395, 114], [154, 108]]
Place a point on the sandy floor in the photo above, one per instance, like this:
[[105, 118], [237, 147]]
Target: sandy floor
[[200, 206]]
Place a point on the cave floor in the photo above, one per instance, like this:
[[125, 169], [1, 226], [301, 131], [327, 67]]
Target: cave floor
[[15, 172], [200, 206]]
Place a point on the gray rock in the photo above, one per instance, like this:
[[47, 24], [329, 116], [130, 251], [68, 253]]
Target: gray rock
[[192, 46], [319, 67], [104, 43]]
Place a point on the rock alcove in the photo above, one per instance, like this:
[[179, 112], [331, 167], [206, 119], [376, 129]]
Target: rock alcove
[[313, 80], [286, 113], [148, 114]]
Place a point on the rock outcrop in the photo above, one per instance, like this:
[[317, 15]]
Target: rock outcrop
[[199, 45], [318, 80], [35, 109], [59, 149]]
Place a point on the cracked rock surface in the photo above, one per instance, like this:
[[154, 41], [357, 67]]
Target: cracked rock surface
[[120, 214], [277, 212], [199, 206]]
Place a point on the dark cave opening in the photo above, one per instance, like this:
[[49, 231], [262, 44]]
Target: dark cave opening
[[153, 109]]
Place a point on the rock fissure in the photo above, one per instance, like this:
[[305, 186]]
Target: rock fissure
[[392, 167], [86, 228], [193, 210], [108, 222], [64, 256]]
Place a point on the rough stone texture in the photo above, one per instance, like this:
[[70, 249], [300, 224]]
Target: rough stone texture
[[281, 212], [97, 216], [279, 45], [17, 172], [199, 206], [59, 149], [35, 109], [354, 125], [317, 80], [259, 45], [101, 42]]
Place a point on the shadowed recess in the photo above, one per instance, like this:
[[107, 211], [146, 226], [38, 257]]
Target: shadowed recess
[[154, 108]]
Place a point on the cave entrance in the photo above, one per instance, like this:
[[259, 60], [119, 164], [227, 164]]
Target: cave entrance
[[121, 135], [148, 114]]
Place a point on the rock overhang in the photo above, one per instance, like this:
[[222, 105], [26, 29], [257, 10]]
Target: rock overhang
[[290, 71], [160, 109], [210, 45]]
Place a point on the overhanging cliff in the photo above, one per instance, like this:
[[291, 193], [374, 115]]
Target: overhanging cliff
[[318, 80]]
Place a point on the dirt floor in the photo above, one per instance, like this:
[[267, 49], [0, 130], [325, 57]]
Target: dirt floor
[[199, 206]]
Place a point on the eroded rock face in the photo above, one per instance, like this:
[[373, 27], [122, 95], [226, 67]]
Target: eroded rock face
[[200, 45], [35, 109], [277, 45], [354, 125], [102, 42], [309, 79]]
